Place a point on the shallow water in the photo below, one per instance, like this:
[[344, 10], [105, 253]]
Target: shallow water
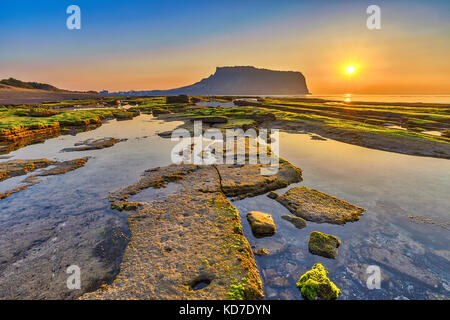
[[66, 219], [214, 103], [414, 258]]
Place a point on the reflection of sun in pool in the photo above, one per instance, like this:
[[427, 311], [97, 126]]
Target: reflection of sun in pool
[[348, 100]]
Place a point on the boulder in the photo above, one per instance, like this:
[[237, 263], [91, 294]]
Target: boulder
[[262, 224], [315, 284], [324, 245]]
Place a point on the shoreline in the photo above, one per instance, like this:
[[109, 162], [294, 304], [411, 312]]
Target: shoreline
[[292, 116]]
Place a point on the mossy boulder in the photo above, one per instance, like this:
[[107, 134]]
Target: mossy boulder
[[298, 222], [158, 111], [262, 224], [324, 245], [182, 98], [315, 284], [124, 115]]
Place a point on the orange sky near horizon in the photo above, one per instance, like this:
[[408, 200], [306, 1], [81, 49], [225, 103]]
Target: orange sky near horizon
[[404, 57]]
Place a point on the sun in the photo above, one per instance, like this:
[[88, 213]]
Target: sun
[[350, 69]]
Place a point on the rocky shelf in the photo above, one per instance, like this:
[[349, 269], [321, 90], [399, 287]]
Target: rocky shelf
[[190, 245]]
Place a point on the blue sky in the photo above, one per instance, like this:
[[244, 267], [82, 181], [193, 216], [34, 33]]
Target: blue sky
[[163, 44]]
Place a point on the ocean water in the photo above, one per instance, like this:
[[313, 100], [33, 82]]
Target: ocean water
[[380, 98]]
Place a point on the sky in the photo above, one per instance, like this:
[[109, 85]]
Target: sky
[[146, 45]]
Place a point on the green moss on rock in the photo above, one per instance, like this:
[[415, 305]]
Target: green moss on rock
[[315, 284], [239, 290], [323, 244]]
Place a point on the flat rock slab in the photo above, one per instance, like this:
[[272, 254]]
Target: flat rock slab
[[19, 167], [322, 244], [93, 144], [189, 245], [57, 168], [241, 181], [316, 206], [262, 224]]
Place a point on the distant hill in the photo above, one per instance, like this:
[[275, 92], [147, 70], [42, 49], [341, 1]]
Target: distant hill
[[240, 80], [16, 91], [28, 85]]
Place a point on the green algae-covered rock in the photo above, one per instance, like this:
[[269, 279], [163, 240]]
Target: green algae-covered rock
[[323, 244], [315, 284]]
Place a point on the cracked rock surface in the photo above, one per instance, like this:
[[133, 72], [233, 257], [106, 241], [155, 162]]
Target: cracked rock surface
[[190, 245]]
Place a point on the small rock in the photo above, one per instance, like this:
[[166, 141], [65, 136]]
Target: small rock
[[261, 252], [324, 245], [165, 134], [298, 222], [262, 224], [314, 137], [272, 195]]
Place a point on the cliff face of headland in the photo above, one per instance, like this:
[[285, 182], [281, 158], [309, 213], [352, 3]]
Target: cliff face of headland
[[243, 80]]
